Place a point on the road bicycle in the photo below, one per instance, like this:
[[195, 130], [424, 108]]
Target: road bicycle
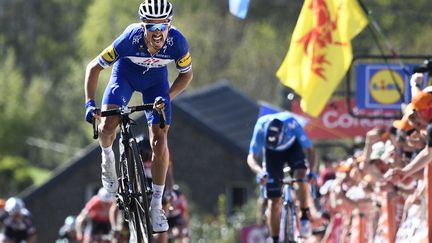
[[290, 222], [134, 192]]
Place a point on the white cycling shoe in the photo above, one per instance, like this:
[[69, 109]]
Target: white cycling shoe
[[159, 220], [109, 174]]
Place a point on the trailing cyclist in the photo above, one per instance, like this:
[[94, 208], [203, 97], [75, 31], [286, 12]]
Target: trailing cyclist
[[15, 223], [278, 139], [140, 56], [93, 224]]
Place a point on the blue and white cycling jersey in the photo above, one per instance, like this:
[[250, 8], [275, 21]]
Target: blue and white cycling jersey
[[292, 131], [135, 69], [130, 48]]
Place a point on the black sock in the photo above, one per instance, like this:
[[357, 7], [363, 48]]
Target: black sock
[[304, 213], [275, 239]]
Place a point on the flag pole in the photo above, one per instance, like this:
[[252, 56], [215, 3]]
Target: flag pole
[[375, 27]]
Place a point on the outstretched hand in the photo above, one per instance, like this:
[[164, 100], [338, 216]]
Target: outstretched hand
[[394, 175]]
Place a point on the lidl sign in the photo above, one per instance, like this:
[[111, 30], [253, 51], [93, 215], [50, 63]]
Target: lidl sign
[[379, 86]]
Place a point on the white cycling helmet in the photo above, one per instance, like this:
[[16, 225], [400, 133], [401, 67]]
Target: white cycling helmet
[[104, 195], [155, 9], [14, 205]]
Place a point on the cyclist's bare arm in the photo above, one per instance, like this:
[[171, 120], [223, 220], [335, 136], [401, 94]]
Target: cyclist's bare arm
[[91, 79], [253, 163], [180, 84], [80, 221], [312, 159]]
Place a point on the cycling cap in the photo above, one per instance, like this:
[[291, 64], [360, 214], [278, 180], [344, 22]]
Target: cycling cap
[[14, 205], [274, 131], [104, 195], [155, 9]]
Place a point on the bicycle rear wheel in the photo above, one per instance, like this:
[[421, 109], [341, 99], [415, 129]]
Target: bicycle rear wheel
[[139, 224]]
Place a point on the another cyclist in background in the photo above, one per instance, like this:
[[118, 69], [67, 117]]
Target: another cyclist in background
[[16, 223], [279, 139], [178, 215], [67, 233], [140, 57], [92, 224]]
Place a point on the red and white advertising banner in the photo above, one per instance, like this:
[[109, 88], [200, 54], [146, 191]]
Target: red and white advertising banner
[[335, 122]]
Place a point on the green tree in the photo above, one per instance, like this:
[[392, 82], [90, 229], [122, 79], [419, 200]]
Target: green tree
[[14, 175]]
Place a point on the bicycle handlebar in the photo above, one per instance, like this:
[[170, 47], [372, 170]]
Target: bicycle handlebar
[[127, 110]]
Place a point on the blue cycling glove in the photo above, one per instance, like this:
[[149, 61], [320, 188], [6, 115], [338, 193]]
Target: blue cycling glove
[[90, 107], [261, 175]]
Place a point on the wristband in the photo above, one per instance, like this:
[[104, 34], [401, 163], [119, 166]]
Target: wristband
[[90, 103]]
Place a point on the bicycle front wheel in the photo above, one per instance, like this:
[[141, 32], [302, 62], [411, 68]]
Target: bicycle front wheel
[[139, 224], [288, 223]]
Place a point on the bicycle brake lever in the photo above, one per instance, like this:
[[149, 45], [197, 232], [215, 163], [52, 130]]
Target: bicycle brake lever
[[95, 129], [162, 118]]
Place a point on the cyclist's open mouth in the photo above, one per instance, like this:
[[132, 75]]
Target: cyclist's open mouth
[[157, 39]]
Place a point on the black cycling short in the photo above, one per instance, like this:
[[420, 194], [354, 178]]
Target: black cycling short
[[275, 162], [102, 228], [176, 221]]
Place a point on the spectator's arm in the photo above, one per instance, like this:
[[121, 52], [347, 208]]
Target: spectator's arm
[[416, 82], [419, 162]]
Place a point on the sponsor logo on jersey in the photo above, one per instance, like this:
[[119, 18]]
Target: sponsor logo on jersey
[[136, 39], [185, 61], [109, 54], [170, 41]]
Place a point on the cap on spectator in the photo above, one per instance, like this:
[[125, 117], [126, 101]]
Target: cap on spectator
[[377, 151], [403, 123], [423, 100], [423, 103], [104, 195]]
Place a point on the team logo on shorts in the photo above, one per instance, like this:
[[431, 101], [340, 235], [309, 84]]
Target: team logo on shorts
[[185, 61], [109, 54]]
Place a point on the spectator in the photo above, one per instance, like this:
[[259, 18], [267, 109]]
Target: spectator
[[326, 170], [419, 118]]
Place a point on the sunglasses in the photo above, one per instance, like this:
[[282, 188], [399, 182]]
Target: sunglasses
[[159, 26]]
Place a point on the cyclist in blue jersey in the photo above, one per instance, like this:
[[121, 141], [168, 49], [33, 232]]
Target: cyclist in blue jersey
[[140, 56], [278, 139]]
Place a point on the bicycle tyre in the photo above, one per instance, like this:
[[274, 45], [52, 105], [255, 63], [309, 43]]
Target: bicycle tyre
[[290, 223], [140, 218]]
